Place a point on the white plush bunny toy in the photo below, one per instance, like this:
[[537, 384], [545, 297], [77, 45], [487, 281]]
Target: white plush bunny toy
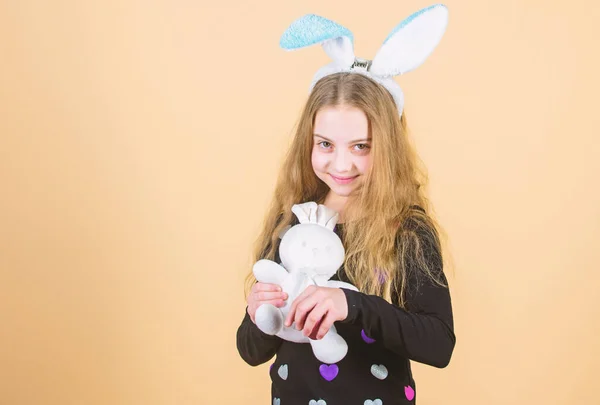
[[310, 253]]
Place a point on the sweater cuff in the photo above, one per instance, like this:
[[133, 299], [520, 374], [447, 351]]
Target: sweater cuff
[[353, 300]]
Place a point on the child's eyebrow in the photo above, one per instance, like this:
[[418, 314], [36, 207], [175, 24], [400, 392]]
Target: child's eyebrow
[[355, 141]]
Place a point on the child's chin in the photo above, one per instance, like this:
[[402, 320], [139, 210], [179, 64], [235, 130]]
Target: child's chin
[[342, 191]]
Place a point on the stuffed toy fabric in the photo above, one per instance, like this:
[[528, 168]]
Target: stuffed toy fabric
[[311, 253]]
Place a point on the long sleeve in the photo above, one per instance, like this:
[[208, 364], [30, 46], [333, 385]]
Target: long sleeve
[[254, 346], [424, 331]]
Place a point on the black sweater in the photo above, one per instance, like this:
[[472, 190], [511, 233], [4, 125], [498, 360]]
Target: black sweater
[[381, 338]]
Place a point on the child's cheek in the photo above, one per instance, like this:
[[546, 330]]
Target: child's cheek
[[319, 160], [363, 163]]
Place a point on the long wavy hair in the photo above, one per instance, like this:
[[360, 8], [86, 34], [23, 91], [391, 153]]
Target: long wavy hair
[[382, 232]]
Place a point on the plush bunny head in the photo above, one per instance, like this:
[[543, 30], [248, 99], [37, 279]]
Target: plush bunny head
[[312, 246], [405, 48]]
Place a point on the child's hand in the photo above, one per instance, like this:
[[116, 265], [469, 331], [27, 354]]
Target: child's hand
[[263, 293], [316, 309]]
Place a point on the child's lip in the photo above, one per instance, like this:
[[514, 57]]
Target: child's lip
[[343, 178]]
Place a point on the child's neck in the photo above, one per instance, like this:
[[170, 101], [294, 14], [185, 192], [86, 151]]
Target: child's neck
[[336, 203]]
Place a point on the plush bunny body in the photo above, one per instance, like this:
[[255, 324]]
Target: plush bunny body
[[310, 253]]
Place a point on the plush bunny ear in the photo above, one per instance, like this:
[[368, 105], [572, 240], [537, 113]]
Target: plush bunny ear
[[411, 41], [313, 213], [326, 217], [336, 40], [306, 213]]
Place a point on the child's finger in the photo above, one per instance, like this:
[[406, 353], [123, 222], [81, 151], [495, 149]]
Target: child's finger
[[292, 312], [313, 334], [270, 295], [325, 325], [276, 302], [313, 319], [258, 287], [303, 309]]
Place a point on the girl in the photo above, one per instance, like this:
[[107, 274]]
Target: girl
[[351, 153]]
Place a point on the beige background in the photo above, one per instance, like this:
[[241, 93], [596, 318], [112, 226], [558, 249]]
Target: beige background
[[139, 143]]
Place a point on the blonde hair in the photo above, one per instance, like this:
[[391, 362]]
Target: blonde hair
[[385, 237]]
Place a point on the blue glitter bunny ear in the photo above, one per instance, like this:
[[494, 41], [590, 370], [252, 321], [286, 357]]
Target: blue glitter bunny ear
[[411, 42], [311, 29]]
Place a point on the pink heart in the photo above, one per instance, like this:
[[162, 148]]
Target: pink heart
[[409, 392], [329, 372], [366, 338]]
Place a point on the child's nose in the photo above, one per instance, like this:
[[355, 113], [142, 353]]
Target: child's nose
[[343, 162]]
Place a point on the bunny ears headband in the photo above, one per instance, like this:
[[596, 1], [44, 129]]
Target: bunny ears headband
[[405, 48]]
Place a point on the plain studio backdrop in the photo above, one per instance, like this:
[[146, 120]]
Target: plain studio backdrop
[[139, 146]]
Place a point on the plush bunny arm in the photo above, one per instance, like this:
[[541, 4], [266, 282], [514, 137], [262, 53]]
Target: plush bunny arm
[[331, 349], [267, 271], [254, 346]]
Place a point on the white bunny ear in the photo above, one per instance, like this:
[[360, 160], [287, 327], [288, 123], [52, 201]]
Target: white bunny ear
[[411, 42], [337, 41], [313, 213], [326, 217], [306, 213]]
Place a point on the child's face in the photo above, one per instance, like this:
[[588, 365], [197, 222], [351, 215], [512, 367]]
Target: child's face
[[341, 152]]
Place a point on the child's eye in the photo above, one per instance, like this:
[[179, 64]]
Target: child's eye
[[362, 146], [324, 144]]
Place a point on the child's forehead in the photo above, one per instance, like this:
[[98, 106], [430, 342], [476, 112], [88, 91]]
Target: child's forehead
[[341, 124]]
